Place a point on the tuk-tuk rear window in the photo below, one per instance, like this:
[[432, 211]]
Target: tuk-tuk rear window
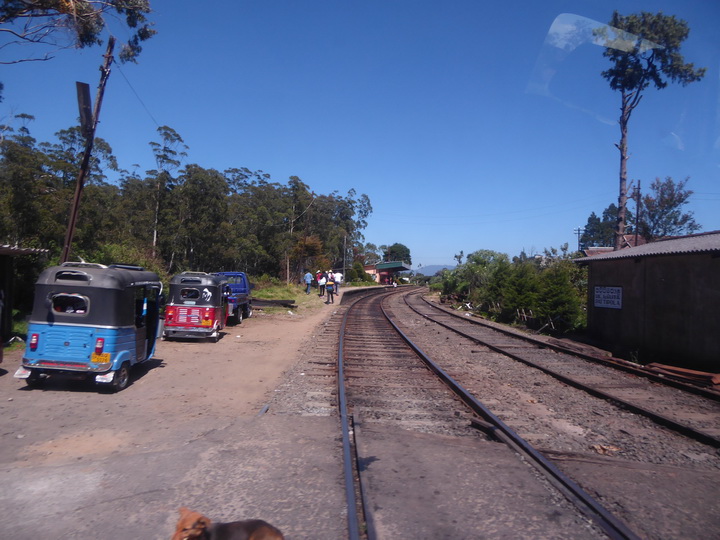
[[189, 294], [70, 304]]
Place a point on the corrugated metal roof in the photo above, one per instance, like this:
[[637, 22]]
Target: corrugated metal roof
[[708, 242], [393, 265], [17, 250]]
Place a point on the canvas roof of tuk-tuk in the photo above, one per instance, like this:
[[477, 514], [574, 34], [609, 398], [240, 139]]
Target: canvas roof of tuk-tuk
[[197, 278], [97, 275]]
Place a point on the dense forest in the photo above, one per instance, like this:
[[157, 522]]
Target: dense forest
[[173, 218], [186, 217]]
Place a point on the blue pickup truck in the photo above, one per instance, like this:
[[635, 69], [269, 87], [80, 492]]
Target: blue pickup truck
[[239, 299]]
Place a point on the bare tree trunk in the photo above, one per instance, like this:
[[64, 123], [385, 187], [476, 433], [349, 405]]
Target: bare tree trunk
[[287, 250], [156, 220], [630, 100], [625, 111], [638, 203]]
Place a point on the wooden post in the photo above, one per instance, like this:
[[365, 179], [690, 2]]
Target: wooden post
[[89, 132]]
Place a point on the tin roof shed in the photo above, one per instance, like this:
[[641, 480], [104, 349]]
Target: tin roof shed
[[708, 242], [658, 302]]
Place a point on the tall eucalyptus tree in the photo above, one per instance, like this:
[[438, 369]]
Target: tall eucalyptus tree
[[644, 50]]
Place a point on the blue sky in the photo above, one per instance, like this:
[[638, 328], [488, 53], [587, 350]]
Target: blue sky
[[463, 126]]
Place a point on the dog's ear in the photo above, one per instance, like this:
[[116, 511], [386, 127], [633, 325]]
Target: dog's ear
[[191, 525], [202, 522]]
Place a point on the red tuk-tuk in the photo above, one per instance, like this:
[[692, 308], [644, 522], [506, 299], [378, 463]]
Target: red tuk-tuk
[[197, 306]]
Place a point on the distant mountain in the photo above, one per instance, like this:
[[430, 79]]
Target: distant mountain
[[432, 269]]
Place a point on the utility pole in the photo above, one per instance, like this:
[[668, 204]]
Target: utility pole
[[579, 231], [88, 130], [637, 212]]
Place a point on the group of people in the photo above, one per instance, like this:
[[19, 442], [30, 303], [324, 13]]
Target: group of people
[[328, 283]]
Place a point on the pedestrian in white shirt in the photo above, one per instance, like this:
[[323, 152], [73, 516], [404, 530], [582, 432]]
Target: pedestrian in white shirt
[[321, 283], [338, 280]]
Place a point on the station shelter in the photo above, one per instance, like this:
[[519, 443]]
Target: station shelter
[[384, 273]]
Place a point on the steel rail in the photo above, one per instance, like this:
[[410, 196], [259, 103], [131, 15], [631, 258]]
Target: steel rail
[[614, 528], [659, 419], [620, 364], [348, 433], [348, 470]]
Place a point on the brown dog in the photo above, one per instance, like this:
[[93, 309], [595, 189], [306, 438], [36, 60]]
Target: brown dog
[[195, 526]]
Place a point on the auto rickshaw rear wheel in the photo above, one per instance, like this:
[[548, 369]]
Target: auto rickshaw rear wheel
[[34, 380], [121, 378]]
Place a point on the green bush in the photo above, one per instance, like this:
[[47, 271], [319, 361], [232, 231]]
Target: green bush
[[531, 290], [558, 301], [361, 274], [521, 290]]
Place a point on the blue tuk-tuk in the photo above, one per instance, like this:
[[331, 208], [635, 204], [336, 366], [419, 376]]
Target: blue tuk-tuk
[[92, 321]]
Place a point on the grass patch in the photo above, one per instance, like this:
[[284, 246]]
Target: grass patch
[[19, 328], [278, 292], [296, 293]]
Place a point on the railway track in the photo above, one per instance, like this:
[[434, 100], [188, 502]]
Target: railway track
[[633, 390], [597, 357], [422, 458], [387, 381]]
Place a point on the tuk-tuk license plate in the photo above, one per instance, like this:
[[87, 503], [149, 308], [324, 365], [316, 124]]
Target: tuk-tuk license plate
[[102, 358]]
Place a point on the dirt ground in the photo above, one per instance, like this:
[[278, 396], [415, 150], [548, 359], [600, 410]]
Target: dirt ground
[[192, 430], [207, 383], [188, 431]]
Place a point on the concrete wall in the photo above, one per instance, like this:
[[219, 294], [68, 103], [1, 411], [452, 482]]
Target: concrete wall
[[670, 309]]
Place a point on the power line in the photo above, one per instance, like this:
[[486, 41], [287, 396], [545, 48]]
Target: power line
[[137, 95]]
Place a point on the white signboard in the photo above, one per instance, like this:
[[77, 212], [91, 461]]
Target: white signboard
[[608, 297]]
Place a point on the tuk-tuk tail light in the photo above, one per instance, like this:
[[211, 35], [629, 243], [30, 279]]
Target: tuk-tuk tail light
[[99, 345], [34, 339]]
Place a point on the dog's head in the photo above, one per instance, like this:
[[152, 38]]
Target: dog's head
[[191, 525]]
